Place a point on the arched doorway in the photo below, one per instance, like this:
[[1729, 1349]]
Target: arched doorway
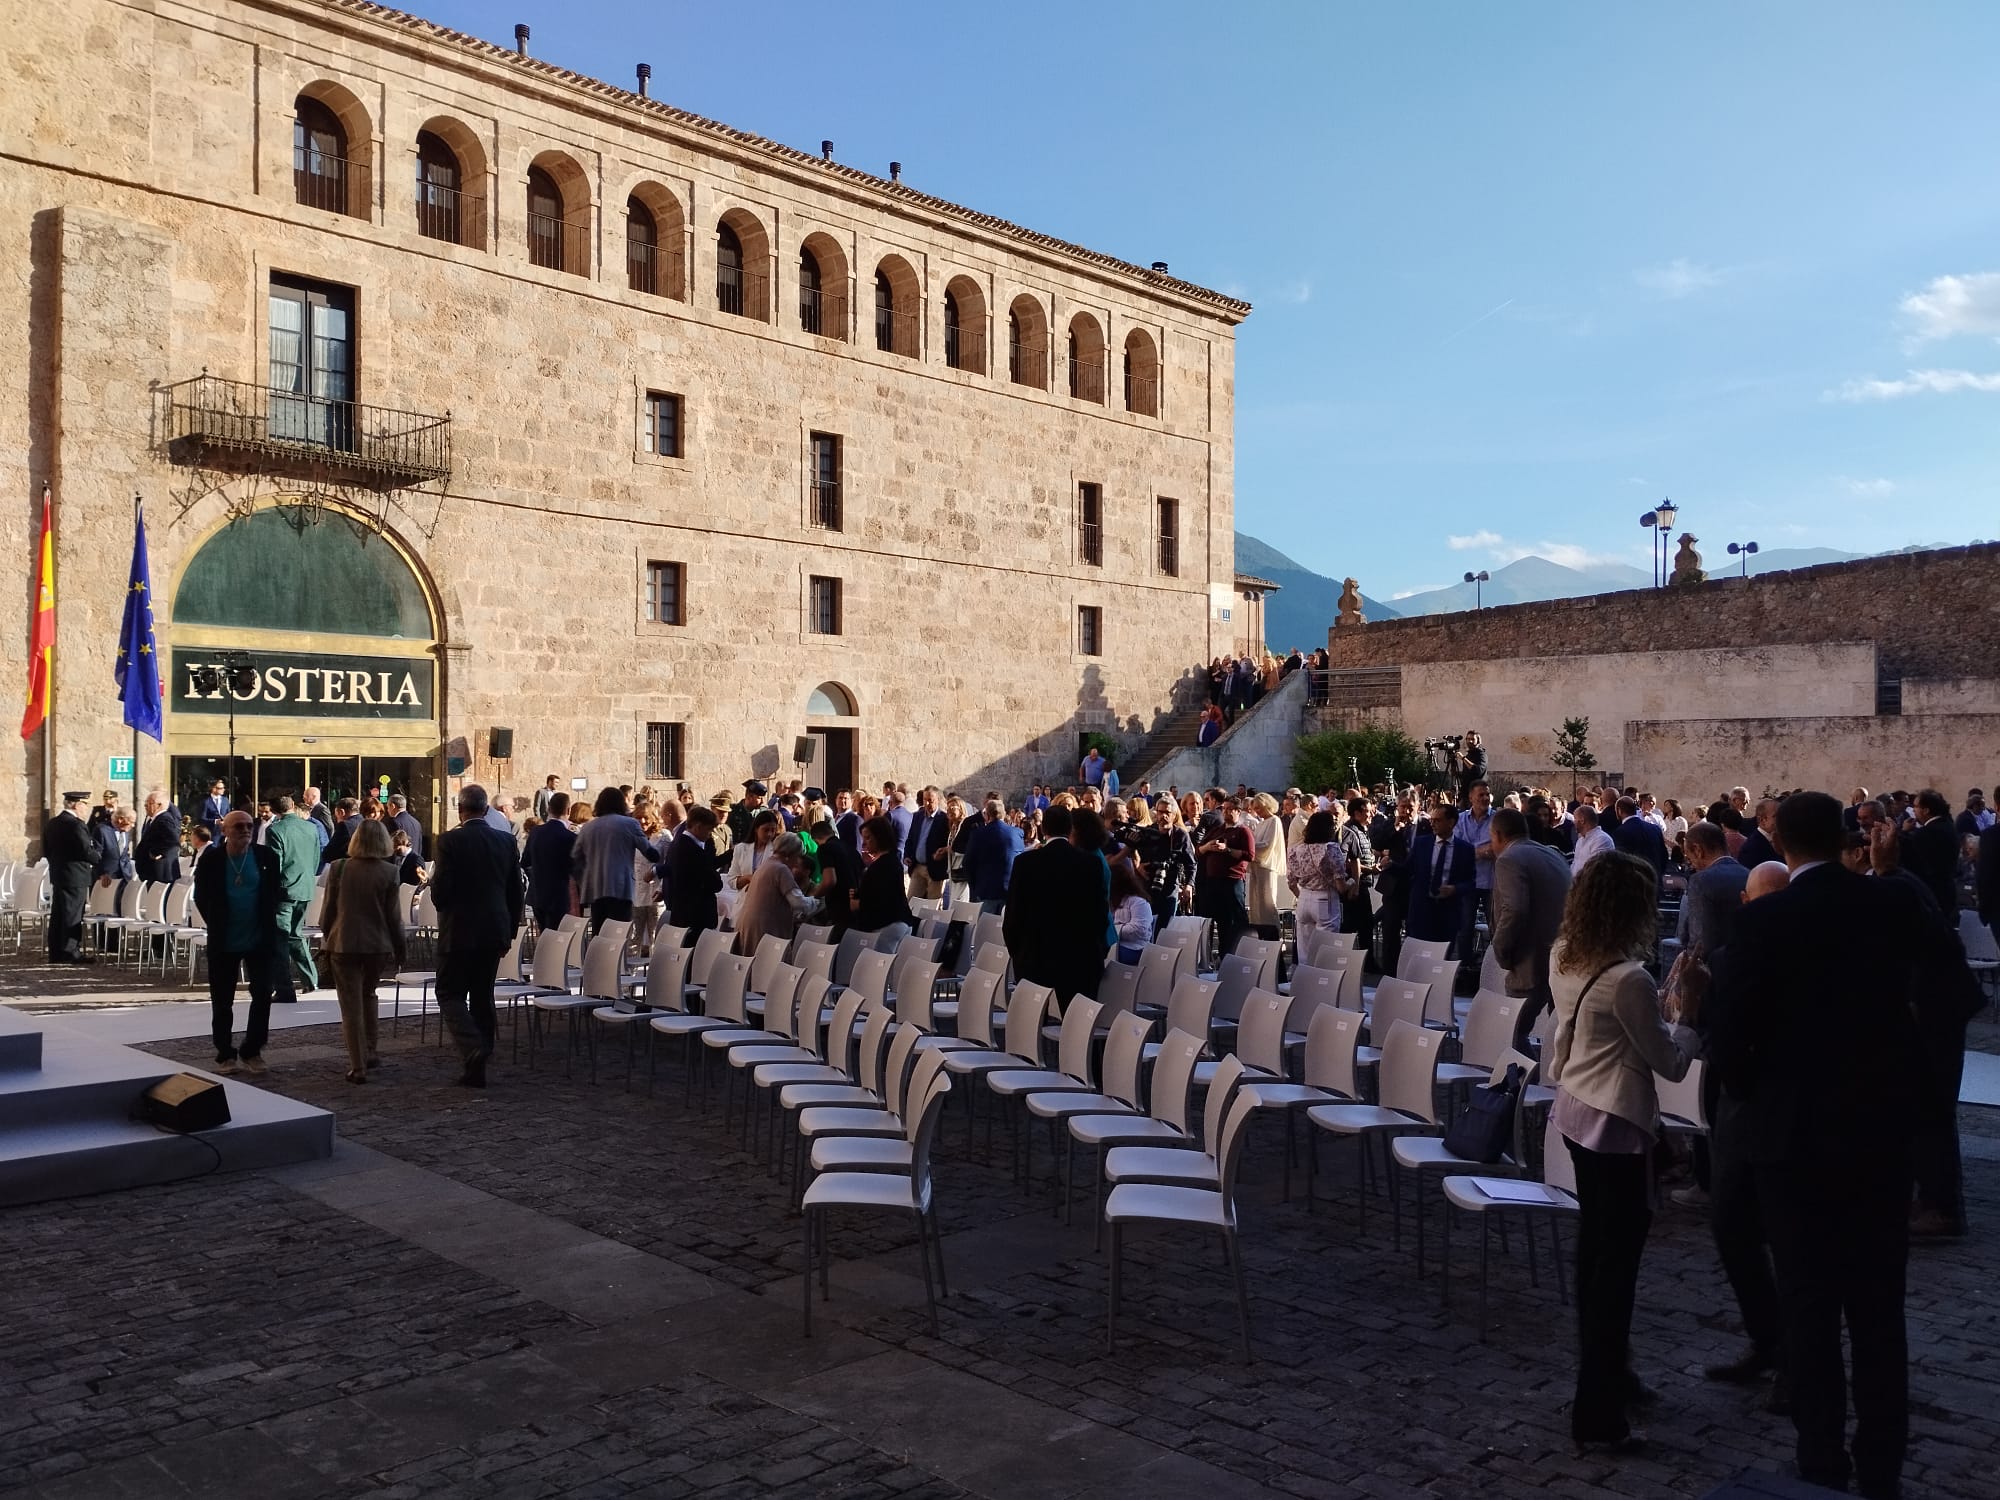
[[833, 721], [331, 632]]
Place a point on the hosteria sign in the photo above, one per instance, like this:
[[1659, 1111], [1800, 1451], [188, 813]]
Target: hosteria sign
[[283, 682]]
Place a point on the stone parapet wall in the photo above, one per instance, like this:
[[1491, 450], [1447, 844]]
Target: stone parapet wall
[[1697, 759]]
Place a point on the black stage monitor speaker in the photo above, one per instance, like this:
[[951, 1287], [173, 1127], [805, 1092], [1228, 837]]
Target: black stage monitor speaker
[[500, 745], [185, 1102], [802, 750]]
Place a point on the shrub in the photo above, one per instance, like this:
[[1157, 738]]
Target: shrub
[[1321, 760]]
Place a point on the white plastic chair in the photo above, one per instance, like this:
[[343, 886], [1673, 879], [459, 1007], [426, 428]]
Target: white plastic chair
[[1488, 1196], [1409, 1102], [1160, 968]]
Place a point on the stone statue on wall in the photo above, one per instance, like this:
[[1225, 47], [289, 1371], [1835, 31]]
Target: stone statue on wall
[[1687, 562], [1350, 604]]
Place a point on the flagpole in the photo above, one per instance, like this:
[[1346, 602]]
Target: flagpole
[[138, 510], [49, 803]]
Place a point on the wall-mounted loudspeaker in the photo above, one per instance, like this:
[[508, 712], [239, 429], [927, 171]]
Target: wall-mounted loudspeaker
[[802, 750], [500, 744]]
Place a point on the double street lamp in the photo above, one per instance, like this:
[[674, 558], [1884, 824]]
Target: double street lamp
[[1478, 581], [1744, 550], [1660, 522]]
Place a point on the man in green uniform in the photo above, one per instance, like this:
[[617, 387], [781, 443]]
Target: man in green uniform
[[296, 842]]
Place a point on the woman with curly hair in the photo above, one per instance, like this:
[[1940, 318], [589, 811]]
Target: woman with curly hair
[[1614, 1031]]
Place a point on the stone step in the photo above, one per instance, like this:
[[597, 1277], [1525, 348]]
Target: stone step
[[20, 1049]]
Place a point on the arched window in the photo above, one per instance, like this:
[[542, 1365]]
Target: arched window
[[812, 313], [442, 204], [830, 701], [642, 248], [1142, 374], [1086, 358], [274, 571], [885, 313], [1028, 343], [1014, 347], [319, 157], [951, 349], [965, 325], [545, 221], [728, 270]]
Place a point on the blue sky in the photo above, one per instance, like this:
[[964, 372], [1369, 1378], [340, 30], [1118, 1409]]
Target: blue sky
[[1520, 270]]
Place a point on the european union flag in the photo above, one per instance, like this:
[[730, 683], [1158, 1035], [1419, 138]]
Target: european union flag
[[138, 669]]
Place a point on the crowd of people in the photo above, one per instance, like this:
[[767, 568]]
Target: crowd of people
[[1819, 971]]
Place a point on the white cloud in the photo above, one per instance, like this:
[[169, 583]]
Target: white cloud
[[1952, 305], [1642, 483], [1422, 588], [1567, 554], [1867, 489], [1478, 541], [1916, 383], [1679, 278], [1298, 292]]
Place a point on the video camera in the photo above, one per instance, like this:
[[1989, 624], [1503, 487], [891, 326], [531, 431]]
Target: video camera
[[1450, 742]]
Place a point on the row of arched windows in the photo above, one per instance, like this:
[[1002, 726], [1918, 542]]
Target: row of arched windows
[[451, 169]]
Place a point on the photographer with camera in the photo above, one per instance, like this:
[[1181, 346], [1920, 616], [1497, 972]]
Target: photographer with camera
[[1469, 755]]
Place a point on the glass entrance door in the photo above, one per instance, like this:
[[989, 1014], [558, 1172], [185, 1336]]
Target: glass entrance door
[[280, 775]]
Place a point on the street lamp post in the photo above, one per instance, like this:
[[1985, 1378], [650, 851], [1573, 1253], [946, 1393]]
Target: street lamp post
[[1479, 581], [1744, 550], [1660, 522]]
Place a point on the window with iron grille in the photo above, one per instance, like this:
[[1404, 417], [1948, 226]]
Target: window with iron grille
[[1090, 523], [1089, 630], [823, 606], [825, 479], [663, 424], [665, 594], [663, 752], [1170, 537]]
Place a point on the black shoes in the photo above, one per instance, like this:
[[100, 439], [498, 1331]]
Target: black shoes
[[1751, 1366], [474, 1076]]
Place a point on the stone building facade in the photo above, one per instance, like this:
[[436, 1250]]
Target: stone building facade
[[1879, 672], [657, 444]]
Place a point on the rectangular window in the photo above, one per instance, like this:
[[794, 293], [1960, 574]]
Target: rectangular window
[[312, 363], [1170, 537], [663, 424], [823, 606], [1089, 630], [1090, 524], [825, 506], [663, 752], [663, 593]]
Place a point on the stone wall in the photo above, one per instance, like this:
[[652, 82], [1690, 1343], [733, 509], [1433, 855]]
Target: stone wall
[[1700, 758], [156, 202], [1256, 750]]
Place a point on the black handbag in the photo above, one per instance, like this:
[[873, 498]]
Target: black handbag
[[1484, 1129]]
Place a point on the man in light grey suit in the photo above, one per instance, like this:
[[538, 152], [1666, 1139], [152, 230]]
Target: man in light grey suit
[[1530, 885], [1714, 892]]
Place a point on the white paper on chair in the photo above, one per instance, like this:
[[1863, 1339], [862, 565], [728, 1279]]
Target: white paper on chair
[[1506, 1190]]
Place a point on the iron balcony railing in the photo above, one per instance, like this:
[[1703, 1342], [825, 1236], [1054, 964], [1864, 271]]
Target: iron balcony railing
[[1170, 555], [1086, 379], [554, 244], [323, 181], [1090, 542], [825, 501], [965, 347], [897, 331], [451, 215], [233, 424], [1027, 364], [654, 269], [822, 312], [740, 292], [1142, 395]]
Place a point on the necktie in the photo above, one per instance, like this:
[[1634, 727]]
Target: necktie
[[1437, 866]]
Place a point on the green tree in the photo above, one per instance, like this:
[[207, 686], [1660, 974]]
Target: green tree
[[1321, 760], [1573, 750]]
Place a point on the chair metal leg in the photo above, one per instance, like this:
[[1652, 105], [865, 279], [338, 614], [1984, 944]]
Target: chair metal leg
[[1288, 1156], [937, 1242], [1419, 1176], [924, 1250], [1111, 1307], [1528, 1226], [806, 1281], [1395, 1179], [1485, 1250], [1444, 1261], [1234, 1251]]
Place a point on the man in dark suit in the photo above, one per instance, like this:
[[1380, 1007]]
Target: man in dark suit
[[693, 874], [214, 807], [1057, 913], [990, 861], [1634, 835], [1988, 877], [114, 843], [1930, 851], [1714, 891], [401, 817], [1530, 885], [1817, 1031], [1441, 875], [72, 851], [1759, 845], [237, 888], [476, 884], [927, 847], [159, 852], [547, 863]]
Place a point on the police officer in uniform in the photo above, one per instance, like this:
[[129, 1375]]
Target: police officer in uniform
[[73, 852]]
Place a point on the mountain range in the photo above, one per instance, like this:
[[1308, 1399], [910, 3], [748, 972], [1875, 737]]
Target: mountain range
[[1306, 602]]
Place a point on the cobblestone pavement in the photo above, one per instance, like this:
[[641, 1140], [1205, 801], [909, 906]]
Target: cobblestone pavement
[[560, 1288]]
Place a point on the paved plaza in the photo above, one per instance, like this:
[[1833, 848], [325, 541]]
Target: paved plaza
[[556, 1288]]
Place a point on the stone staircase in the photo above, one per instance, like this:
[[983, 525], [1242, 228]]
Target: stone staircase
[[1177, 731], [67, 1126]]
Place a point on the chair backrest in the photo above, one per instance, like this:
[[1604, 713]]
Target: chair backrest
[[1489, 1028], [1192, 1003], [509, 971], [868, 1053], [978, 993], [1025, 1013], [1324, 942], [813, 932], [896, 1071], [1311, 990], [1221, 1089], [1263, 952], [1418, 951], [1173, 1077], [1235, 1130], [666, 974], [102, 901], [1558, 1168], [923, 1071], [764, 962], [1682, 1097], [781, 1002], [1073, 1045], [915, 991], [911, 950], [1544, 1034], [1260, 1035], [1160, 968], [1203, 929], [1234, 981], [994, 956], [601, 961], [934, 925], [837, 1044], [870, 975], [1124, 1050], [988, 930], [852, 945], [424, 914], [1980, 945], [1442, 976], [1396, 1000], [815, 958], [181, 894], [550, 970], [1117, 991], [1409, 1071], [1511, 1059], [128, 900], [1331, 1039], [569, 923], [711, 945], [1491, 975], [927, 1116], [673, 937], [723, 998]]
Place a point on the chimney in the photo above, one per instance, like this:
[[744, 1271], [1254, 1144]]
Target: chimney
[[520, 38], [895, 171], [645, 79], [1160, 266], [826, 150]]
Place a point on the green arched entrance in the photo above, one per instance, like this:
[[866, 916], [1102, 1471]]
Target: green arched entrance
[[314, 637]]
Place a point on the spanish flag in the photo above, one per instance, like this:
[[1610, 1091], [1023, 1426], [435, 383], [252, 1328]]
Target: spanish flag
[[42, 643]]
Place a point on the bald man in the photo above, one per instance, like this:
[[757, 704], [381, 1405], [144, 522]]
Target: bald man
[[237, 888]]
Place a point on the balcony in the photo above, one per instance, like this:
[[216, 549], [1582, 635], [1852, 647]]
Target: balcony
[[251, 429]]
